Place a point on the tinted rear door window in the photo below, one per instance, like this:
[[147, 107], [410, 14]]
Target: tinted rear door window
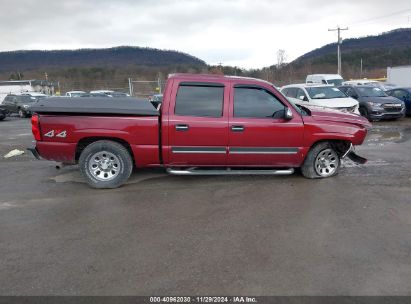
[[202, 101]]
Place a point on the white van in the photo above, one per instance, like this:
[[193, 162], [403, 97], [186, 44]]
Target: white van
[[333, 79]]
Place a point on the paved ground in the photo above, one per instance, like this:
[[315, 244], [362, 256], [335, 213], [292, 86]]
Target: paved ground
[[160, 234]]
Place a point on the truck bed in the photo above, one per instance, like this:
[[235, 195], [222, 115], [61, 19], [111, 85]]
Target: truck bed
[[95, 105]]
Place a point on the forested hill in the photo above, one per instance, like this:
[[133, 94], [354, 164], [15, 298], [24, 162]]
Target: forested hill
[[387, 49], [117, 57]]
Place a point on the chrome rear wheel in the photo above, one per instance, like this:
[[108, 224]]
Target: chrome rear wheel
[[104, 166]]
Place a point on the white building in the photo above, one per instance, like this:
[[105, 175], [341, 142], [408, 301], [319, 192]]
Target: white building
[[23, 86], [399, 75]]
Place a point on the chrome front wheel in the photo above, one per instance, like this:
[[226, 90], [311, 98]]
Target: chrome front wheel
[[326, 163]]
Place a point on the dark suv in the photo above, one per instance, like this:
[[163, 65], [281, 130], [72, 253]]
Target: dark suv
[[374, 103], [18, 104], [403, 94]]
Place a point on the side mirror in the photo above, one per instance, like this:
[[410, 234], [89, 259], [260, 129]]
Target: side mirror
[[288, 114]]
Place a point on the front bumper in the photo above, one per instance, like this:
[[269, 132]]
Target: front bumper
[[381, 113], [354, 156]]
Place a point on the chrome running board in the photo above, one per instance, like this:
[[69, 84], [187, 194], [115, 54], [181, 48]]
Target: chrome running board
[[199, 171]]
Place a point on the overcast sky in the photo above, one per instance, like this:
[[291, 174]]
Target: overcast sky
[[244, 33]]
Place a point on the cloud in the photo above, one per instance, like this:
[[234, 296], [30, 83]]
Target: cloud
[[239, 32]]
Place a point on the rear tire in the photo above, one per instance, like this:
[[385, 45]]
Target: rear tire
[[322, 161], [105, 164]]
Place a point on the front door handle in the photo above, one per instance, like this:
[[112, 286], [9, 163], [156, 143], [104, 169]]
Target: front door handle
[[237, 128], [181, 127]]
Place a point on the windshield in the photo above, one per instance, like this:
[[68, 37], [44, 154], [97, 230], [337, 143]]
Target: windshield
[[325, 93], [26, 99], [371, 92], [336, 82]]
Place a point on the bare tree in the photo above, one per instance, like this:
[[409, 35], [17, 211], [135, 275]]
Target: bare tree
[[281, 58]]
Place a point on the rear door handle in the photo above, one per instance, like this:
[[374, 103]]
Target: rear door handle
[[181, 127], [237, 128]]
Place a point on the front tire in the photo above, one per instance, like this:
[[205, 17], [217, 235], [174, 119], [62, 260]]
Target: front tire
[[105, 164], [322, 161]]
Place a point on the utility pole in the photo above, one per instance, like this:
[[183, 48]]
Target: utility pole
[[159, 84], [361, 69], [338, 29], [130, 87]]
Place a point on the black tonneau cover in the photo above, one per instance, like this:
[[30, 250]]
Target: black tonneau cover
[[95, 105]]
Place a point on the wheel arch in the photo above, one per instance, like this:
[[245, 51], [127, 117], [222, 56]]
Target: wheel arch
[[341, 146], [84, 142]]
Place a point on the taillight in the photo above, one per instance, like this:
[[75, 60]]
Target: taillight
[[35, 126]]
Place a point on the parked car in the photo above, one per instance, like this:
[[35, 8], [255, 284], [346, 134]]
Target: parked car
[[403, 94], [320, 95], [106, 92], [19, 104], [375, 104], [383, 85], [333, 79], [118, 94], [98, 95], [379, 84], [35, 94], [208, 124], [3, 113], [76, 94]]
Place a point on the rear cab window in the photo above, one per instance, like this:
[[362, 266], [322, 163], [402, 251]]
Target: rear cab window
[[200, 100]]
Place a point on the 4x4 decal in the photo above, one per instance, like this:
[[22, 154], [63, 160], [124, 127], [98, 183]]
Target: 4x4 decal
[[52, 133], [49, 134], [62, 134]]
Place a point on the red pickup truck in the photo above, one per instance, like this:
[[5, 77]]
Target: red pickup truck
[[207, 124]]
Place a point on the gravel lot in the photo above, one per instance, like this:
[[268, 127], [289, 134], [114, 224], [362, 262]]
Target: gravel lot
[[161, 234]]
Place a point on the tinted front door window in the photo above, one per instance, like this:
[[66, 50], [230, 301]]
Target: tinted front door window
[[255, 103]]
